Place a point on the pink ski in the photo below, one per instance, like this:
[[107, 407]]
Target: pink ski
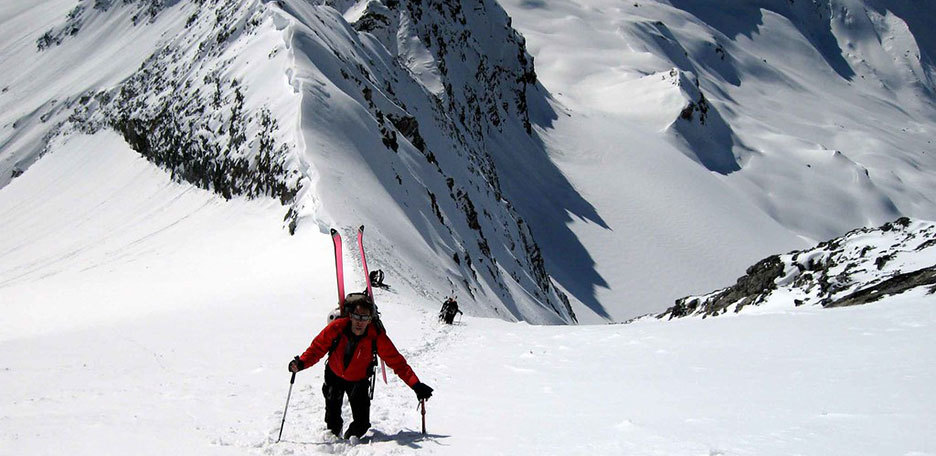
[[360, 242], [370, 291], [339, 270]]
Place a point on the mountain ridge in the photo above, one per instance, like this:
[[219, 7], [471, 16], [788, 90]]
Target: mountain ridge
[[764, 128], [196, 108]]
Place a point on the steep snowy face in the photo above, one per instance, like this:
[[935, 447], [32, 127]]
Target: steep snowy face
[[821, 112], [393, 114], [862, 266], [429, 102], [833, 105], [173, 86]]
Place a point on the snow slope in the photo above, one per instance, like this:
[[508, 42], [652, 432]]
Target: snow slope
[[144, 314], [819, 119], [151, 334], [823, 383]]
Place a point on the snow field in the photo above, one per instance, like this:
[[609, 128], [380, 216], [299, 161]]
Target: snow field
[[827, 382], [172, 333], [788, 383], [149, 317]]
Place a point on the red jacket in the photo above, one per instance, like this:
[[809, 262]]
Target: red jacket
[[363, 353]]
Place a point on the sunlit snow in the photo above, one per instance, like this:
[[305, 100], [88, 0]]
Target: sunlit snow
[[144, 315]]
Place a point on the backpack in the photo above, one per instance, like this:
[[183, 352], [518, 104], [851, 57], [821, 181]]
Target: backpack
[[351, 301]]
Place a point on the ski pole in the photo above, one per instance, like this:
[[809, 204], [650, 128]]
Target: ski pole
[[283, 423], [422, 406]]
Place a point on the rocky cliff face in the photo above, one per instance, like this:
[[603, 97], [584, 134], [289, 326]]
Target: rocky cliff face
[[450, 85], [434, 92], [858, 268], [183, 109]]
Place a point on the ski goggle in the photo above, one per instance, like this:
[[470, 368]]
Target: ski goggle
[[360, 317]]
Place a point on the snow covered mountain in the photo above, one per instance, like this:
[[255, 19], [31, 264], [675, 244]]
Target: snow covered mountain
[[653, 148], [169, 170], [817, 116], [388, 115]]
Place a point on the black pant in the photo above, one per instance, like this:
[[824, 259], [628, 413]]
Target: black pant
[[334, 390], [448, 315]]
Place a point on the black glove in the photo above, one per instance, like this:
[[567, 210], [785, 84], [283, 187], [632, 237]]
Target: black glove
[[296, 365], [423, 391]]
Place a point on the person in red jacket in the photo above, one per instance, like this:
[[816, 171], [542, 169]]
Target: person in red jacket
[[353, 344]]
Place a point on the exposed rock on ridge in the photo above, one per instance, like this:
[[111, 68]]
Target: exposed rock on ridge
[[860, 267]]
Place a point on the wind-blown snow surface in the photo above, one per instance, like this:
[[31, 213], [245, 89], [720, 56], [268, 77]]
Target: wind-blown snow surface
[[118, 337]]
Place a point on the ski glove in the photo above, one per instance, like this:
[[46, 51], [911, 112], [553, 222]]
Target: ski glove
[[296, 365], [423, 391]]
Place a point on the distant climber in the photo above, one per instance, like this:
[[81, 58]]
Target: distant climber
[[376, 279], [448, 311]]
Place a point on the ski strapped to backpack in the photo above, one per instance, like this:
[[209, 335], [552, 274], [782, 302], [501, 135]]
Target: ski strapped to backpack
[[368, 293], [360, 243], [339, 270]]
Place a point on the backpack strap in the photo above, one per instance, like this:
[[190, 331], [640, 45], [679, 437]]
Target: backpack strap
[[372, 370], [334, 342], [378, 325]]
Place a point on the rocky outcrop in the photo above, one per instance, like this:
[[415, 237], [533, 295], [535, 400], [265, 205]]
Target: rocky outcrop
[[860, 267], [894, 285], [182, 111], [752, 288]]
